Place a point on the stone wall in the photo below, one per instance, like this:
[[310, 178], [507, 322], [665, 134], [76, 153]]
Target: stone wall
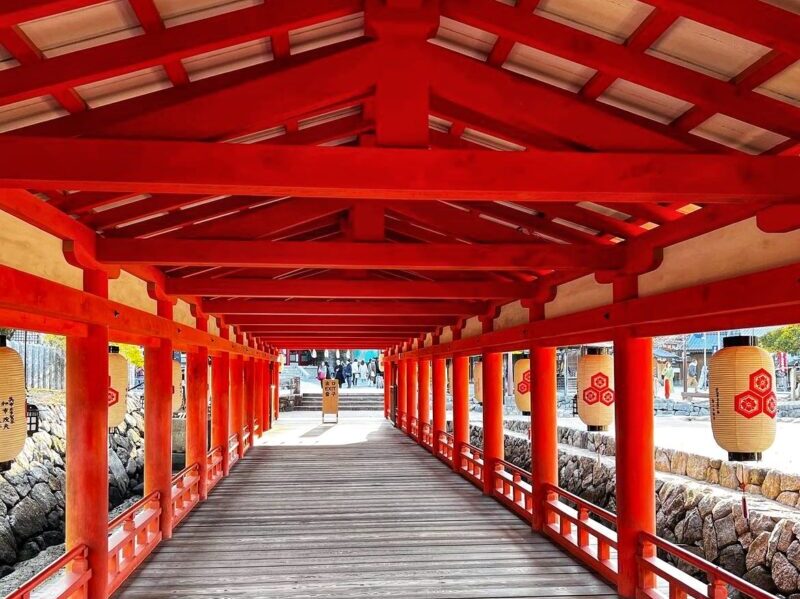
[[705, 519], [32, 498]]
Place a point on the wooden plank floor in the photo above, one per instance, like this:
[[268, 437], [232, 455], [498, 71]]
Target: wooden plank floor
[[352, 511]]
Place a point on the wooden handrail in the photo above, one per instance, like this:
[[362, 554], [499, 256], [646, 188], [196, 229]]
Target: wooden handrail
[[185, 492], [512, 488], [132, 536], [444, 447], [73, 581], [154, 496], [472, 463], [680, 583]]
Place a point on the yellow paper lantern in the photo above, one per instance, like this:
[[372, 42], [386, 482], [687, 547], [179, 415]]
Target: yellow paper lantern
[[177, 386], [522, 385], [117, 386], [477, 380], [13, 420], [596, 390], [742, 400]]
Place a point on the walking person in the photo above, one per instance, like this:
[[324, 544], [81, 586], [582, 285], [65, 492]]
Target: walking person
[[339, 374], [691, 379], [372, 372], [354, 369], [322, 373], [668, 374], [363, 372], [348, 372]]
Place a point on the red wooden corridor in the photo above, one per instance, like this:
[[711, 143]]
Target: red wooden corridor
[[437, 179]]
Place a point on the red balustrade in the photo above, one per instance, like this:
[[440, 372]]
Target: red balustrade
[[185, 492], [214, 470], [403, 422], [256, 426], [133, 535], [512, 488], [585, 538], [679, 584], [471, 464], [233, 450], [414, 432], [65, 578], [444, 447], [427, 436], [246, 438]]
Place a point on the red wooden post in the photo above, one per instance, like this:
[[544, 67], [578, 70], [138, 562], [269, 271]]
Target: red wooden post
[[493, 435], [544, 430], [439, 393], [220, 425], [401, 392], [276, 390], [236, 417], [387, 386], [411, 392], [633, 412], [424, 394], [259, 395], [158, 423], [266, 413], [460, 407], [87, 443], [249, 398], [197, 413]]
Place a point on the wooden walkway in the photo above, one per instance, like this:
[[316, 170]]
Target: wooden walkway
[[352, 511]]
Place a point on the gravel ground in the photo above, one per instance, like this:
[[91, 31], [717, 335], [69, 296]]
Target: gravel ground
[[27, 569]]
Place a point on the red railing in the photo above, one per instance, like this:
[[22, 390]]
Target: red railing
[[256, 426], [512, 488], [427, 436], [414, 431], [213, 467], [444, 447], [67, 578], [586, 539], [679, 584], [246, 437], [185, 492], [471, 459], [233, 450], [403, 422], [133, 535]]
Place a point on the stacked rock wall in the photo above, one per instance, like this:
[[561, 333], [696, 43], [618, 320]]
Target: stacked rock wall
[[32, 501], [706, 519]]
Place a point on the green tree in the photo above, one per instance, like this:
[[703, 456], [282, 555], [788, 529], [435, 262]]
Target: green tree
[[132, 353], [9, 333], [785, 339]]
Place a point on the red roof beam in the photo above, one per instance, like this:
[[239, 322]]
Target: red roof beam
[[320, 308], [387, 173]]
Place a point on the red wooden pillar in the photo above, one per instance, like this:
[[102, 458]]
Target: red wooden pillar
[[220, 393], [411, 392], [197, 413], [259, 392], [439, 396], [158, 422], [387, 387], [236, 416], [87, 443], [424, 394], [633, 412], [493, 435], [276, 391], [266, 413], [249, 398], [460, 407], [544, 428], [401, 392]]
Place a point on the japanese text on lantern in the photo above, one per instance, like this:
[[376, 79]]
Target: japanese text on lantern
[[7, 409]]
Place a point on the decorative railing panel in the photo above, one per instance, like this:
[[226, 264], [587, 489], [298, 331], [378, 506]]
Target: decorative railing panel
[[444, 447], [214, 470], [471, 464], [512, 488], [65, 578], [133, 535], [233, 450], [427, 436], [185, 492], [414, 431]]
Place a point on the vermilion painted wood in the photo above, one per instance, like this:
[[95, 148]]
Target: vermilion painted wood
[[220, 399], [158, 422], [338, 288], [402, 394], [544, 430], [72, 584], [214, 468], [185, 492], [460, 366], [703, 91], [132, 536], [493, 435], [375, 255], [87, 434], [222, 107], [264, 321], [314, 308], [424, 400], [197, 414], [237, 403], [186, 167]]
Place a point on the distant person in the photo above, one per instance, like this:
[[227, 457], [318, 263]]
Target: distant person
[[322, 373], [691, 379], [667, 374], [379, 374], [348, 372], [354, 368], [372, 372], [363, 372], [339, 374]]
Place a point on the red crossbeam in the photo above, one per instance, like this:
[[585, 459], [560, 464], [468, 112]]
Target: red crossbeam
[[187, 167], [371, 308]]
